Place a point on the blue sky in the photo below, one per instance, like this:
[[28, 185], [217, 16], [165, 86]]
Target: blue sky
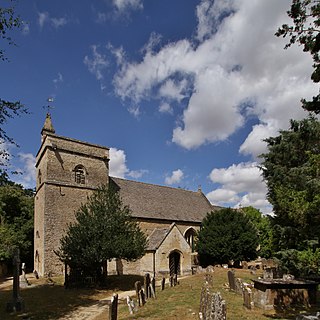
[[183, 92]]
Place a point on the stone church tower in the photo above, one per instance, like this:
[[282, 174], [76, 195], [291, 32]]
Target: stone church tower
[[68, 170]]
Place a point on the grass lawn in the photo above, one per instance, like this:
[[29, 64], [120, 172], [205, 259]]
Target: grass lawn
[[180, 302]]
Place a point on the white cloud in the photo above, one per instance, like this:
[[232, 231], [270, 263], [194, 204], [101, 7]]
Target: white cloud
[[59, 79], [58, 22], [27, 176], [42, 18], [165, 108], [97, 63], [175, 177], [123, 5], [136, 174], [117, 165], [101, 17], [241, 185], [234, 58], [173, 90], [135, 111]]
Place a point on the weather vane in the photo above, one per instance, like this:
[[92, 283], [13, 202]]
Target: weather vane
[[48, 107]]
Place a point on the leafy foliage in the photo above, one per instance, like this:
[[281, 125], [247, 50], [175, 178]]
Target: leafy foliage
[[305, 31], [264, 228], [16, 220], [225, 235], [300, 263], [291, 171], [104, 229], [8, 21]]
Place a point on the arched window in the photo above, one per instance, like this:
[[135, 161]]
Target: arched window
[[190, 237], [80, 174]]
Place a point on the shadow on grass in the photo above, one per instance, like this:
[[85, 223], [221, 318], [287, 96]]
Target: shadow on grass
[[52, 302]]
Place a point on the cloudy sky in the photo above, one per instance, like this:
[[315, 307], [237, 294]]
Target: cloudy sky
[[183, 92]]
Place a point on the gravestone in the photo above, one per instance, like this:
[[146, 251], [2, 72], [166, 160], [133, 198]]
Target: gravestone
[[232, 280], [247, 297], [130, 304], [153, 287], [17, 303], [212, 306], [238, 286], [142, 297], [163, 283], [147, 282], [113, 308], [137, 286], [267, 274], [219, 311], [23, 278]]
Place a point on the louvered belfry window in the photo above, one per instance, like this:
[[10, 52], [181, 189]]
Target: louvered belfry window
[[80, 175]]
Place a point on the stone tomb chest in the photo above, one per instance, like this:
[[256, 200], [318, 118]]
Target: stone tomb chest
[[280, 294]]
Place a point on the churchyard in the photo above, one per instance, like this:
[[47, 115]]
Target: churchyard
[[50, 300]]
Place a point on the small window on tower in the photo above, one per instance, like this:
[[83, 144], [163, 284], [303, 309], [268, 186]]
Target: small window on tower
[[80, 175], [39, 176]]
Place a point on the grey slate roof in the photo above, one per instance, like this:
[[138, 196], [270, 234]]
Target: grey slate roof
[[165, 203], [156, 237]]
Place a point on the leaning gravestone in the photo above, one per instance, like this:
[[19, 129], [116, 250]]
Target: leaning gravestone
[[17, 303]]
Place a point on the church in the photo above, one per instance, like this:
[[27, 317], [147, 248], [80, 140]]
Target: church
[[69, 170]]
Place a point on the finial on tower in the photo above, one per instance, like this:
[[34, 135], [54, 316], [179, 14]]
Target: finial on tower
[[48, 127]]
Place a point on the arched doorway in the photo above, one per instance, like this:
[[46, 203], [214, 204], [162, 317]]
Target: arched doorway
[[174, 263]]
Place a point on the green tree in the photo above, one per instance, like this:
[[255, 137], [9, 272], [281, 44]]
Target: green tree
[[291, 171], [16, 221], [8, 109], [225, 235], [305, 15], [264, 228], [104, 229]]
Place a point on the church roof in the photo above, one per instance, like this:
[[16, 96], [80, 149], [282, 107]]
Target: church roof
[[151, 201], [156, 237]]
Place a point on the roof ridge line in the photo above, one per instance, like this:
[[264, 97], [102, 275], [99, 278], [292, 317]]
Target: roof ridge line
[[153, 184]]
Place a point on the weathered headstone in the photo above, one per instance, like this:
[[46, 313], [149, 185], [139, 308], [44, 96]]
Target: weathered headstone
[[137, 286], [142, 297], [267, 274], [219, 310], [232, 280], [247, 298], [17, 303], [113, 308], [130, 304], [23, 278], [147, 285], [238, 286], [163, 283], [153, 287]]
